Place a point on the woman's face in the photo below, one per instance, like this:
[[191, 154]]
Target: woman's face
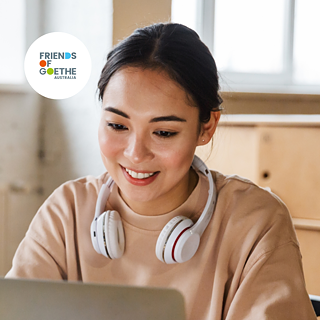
[[147, 135]]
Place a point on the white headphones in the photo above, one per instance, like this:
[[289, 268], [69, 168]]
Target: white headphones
[[178, 240]]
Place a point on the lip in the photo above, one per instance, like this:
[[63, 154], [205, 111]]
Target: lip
[[139, 182]]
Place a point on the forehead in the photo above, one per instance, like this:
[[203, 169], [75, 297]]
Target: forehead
[[154, 88]]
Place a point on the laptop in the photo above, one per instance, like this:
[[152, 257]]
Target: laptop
[[40, 299], [315, 300]]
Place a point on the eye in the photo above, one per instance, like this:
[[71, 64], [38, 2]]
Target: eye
[[116, 126], [165, 134]]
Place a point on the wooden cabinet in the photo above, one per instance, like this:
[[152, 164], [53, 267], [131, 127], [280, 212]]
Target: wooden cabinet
[[281, 152], [3, 230]]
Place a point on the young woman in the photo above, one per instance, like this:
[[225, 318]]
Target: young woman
[[133, 225]]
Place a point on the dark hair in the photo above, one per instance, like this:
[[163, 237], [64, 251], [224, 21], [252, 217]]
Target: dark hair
[[178, 51]]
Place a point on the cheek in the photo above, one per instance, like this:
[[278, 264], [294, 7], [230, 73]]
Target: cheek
[[108, 146], [179, 157]]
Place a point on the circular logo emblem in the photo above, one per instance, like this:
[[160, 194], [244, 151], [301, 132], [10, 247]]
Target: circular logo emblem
[[57, 65]]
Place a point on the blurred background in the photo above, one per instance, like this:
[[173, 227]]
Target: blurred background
[[267, 53]]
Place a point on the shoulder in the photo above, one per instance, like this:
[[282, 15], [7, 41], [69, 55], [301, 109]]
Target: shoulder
[[71, 199], [76, 191], [252, 211], [80, 185], [236, 189], [243, 189]]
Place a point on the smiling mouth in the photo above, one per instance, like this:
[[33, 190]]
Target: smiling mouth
[[140, 175]]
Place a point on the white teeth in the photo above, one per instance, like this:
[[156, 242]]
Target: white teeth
[[139, 175]]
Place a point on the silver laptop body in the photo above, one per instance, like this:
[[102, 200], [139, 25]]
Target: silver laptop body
[[52, 300]]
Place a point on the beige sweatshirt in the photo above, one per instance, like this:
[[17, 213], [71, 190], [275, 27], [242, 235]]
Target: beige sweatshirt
[[248, 265]]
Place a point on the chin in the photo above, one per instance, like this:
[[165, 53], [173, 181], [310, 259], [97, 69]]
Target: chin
[[138, 194]]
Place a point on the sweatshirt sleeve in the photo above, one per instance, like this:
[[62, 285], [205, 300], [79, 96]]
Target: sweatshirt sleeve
[[261, 252], [42, 254], [34, 260], [273, 288]]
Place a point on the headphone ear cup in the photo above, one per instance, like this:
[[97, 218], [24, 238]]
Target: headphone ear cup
[[114, 234], [186, 246], [110, 235], [102, 244], [94, 236], [169, 238]]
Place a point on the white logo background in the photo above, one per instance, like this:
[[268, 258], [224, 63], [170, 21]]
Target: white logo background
[[46, 84]]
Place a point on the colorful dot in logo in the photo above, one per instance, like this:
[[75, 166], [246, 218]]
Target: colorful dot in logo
[[43, 63], [50, 71]]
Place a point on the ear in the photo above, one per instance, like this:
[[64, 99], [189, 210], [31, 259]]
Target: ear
[[209, 128]]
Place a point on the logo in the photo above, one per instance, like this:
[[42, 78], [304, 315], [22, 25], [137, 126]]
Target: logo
[[57, 65], [60, 73]]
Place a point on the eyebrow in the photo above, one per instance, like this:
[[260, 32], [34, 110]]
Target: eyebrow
[[157, 119], [117, 111]]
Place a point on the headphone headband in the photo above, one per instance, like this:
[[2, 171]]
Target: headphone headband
[[207, 213], [103, 196]]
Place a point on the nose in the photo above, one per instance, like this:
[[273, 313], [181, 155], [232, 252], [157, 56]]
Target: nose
[[137, 150]]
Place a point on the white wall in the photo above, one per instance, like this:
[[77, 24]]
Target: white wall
[[70, 130], [44, 142]]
